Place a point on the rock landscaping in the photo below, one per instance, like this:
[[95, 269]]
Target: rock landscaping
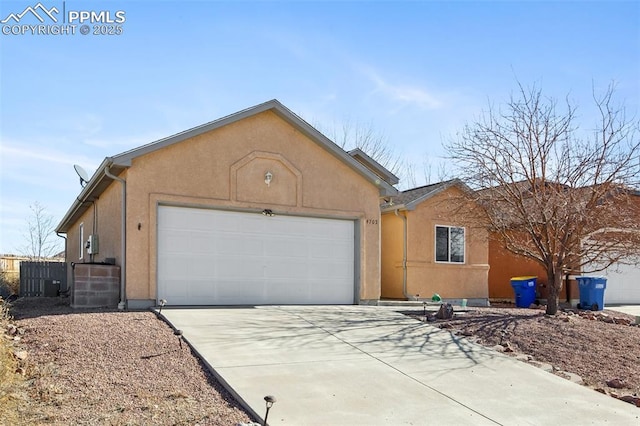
[[109, 368], [598, 349]]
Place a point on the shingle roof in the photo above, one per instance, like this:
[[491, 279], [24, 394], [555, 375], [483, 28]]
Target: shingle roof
[[410, 198]]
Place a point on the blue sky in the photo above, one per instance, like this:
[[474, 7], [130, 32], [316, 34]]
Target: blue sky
[[414, 71]]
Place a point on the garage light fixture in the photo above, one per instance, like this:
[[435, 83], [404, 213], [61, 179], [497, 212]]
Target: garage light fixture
[[268, 177]]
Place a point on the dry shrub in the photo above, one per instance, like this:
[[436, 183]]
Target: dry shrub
[[10, 281], [11, 383]]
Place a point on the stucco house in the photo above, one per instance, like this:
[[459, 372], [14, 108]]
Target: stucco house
[[428, 247], [257, 207], [622, 277], [506, 265]]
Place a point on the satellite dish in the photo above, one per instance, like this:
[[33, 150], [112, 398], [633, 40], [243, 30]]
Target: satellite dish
[[84, 177]]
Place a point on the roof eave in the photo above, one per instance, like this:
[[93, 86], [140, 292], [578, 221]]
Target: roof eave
[[92, 190], [124, 159], [393, 208], [454, 182], [385, 173], [385, 188], [118, 163]]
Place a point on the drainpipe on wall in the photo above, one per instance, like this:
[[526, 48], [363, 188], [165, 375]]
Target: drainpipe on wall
[[404, 255], [94, 228], [65, 259], [123, 237], [65, 242]]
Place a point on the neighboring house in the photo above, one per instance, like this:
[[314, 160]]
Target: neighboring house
[[623, 280], [254, 208], [506, 265], [428, 247], [623, 284]]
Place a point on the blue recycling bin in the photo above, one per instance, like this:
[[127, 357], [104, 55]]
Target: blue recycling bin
[[591, 292], [525, 290]]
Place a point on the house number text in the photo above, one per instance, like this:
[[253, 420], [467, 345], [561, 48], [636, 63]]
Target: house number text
[[372, 221]]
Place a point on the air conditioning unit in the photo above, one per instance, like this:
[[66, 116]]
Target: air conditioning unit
[[92, 244]]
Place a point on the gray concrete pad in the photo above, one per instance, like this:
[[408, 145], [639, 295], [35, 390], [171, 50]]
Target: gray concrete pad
[[627, 309], [335, 365]]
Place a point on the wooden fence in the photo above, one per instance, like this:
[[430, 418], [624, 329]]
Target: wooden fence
[[42, 278]]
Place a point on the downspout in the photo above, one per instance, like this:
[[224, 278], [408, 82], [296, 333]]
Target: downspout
[[65, 259], [123, 236], [65, 243], [404, 254], [94, 228]]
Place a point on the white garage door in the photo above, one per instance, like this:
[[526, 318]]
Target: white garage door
[[213, 257], [623, 284]]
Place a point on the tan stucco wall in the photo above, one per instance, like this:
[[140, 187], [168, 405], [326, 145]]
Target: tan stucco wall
[[225, 168], [107, 227], [506, 265], [425, 276], [392, 255]]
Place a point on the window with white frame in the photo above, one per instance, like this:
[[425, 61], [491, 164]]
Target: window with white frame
[[81, 242], [449, 244]]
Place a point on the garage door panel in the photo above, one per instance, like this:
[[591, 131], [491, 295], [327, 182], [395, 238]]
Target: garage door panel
[[202, 242], [174, 242], [251, 246], [235, 267], [240, 291], [291, 227], [251, 225], [332, 271], [226, 243], [328, 293], [623, 284], [201, 268], [200, 288], [287, 291], [173, 265], [286, 268], [224, 257], [175, 288], [328, 249], [224, 223], [282, 247]]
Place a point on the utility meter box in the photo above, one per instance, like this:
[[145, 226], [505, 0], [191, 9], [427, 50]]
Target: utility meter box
[[92, 244]]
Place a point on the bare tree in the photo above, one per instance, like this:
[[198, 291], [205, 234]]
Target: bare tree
[[408, 172], [440, 174], [549, 191], [375, 144], [350, 135], [40, 234]]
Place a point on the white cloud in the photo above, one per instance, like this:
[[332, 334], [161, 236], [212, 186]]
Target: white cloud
[[15, 152], [36, 168], [114, 146], [404, 93]]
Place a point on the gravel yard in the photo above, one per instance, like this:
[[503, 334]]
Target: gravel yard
[[113, 368]]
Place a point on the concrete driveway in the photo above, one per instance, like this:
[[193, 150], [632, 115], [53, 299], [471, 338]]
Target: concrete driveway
[[361, 365], [627, 309]]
